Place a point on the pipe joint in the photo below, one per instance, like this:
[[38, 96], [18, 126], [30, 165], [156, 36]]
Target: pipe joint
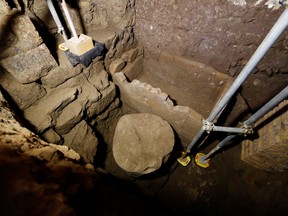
[[207, 125], [247, 129]]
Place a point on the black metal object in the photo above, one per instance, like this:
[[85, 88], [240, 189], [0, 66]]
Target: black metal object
[[86, 58]]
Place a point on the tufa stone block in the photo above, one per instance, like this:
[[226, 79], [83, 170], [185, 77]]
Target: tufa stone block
[[80, 45], [27, 67]]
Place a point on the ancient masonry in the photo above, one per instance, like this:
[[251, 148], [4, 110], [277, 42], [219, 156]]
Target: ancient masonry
[[269, 151], [61, 103]]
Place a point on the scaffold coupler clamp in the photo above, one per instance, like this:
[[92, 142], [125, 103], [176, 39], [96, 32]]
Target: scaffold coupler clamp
[[247, 129], [207, 125]]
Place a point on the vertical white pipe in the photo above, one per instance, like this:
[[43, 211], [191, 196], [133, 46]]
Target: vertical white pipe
[[68, 17], [56, 19]]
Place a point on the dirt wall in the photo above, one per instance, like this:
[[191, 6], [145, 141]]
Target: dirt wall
[[221, 34]]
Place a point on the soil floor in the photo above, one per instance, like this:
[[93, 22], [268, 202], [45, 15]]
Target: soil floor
[[228, 187]]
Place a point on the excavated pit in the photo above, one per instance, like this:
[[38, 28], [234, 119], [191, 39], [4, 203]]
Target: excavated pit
[[229, 185], [153, 62]]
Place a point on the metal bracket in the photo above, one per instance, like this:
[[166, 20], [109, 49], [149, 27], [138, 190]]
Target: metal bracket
[[207, 126], [247, 128]]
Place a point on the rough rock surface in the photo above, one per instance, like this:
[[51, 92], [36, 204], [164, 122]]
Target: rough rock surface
[[44, 113], [142, 143], [16, 33], [83, 140], [40, 178], [30, 66], [221, 34], [217, 32], [20, 138], [23, 95]]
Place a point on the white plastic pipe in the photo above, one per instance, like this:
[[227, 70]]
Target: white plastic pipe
[[56, 19], [69, 20], [269, 40]]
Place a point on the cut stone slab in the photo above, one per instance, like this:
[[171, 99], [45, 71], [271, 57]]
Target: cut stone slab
[[130, 55], [103, 35], [142, 143], [88, 94], [69, 117], [108, 95], [270, 151], [143, 98], [43, 114], [99, 80], [24, 95], [83, 140], [134, 69], [30, 66], [17, 137], [20, 34], [107, 111], [52, 136], [116, 65], [61, 73]]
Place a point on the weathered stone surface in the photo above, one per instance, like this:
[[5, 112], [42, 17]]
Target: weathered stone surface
[[122, 14], [130, 55], [108, 95], [69, 117], [135, 69], [4, 7], [52, 136], [145, 99], [42, 115], [83, 140], [24, 95], [31, 65], [46, 153], [42, 12], [14, 135], [8, 123], [124, 41], [61, 73], [104, 36], [99, 80], [116, 65], [142, 143], [67, 152], [113, 106], [95, 67], [270, 150], [18, 34], [88, 95]]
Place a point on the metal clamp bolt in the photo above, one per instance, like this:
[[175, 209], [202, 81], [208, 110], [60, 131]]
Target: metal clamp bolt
[[247, 128], [207, 126]]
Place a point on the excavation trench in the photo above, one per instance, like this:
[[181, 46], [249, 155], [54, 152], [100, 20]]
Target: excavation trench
[[159, 74], [147, 86]]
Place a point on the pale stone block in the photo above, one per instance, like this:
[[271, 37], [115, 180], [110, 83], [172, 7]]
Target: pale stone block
[[80, 45]]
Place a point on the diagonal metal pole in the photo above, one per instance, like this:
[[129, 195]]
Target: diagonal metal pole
[[281, 96], [268, 41]]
